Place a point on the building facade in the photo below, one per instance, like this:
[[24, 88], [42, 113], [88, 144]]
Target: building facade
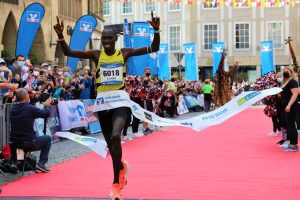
[[242, 30], [45, 47]]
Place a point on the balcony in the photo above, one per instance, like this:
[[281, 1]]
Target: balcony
[[16, 2]]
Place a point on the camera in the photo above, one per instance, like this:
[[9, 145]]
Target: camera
[[54, 102]]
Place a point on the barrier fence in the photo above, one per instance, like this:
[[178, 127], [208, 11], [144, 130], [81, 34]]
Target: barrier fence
[[4, 124]]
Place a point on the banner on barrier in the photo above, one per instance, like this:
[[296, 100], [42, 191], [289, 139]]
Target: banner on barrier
[[92, 120], [72, 114], [53, 124], [115, 99], [191, 101], [182, 108]]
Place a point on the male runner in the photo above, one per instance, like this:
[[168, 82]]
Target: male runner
[[112, 121]]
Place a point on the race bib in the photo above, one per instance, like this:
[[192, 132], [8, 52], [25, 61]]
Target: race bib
[[111, 74]]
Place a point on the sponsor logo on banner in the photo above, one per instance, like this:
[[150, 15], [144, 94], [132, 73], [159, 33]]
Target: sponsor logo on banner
[[218, 49], [266, 48], [33, 16], [135, 108], [85, 139], [100, 100], [141, 31], [86, 26], [189, 50], [247, 97], [81, 112], [148, 116], [162, 50]]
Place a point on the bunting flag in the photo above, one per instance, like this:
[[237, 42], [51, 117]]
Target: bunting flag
[[81, 34], [231, 3], [266, 57], [140, 38], [190, 60], [152, 58], [29, 24], [164, 70], [218, 48]]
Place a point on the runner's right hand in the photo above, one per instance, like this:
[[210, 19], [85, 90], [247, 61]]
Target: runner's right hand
[[59, 27]]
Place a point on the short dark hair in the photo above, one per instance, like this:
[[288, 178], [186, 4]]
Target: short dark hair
[[20, 55], [20, 94]]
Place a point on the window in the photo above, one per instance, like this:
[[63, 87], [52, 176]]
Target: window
[[275, 34], [106, 8], [210, 4], [174, 6], [127, 8], [210, 35], [242, 36], [174, 38], [70, 9], [149, 7]]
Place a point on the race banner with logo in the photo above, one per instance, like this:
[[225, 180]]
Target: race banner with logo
[[115, 99], [217, 48], [98, 146], [266, 56], [81, 34], [190, 60], [72, 114], [181, 108], [53, 124], [191, 101], [164, 70], [29, 24], [92, 120], [152, 56], [140, 38]]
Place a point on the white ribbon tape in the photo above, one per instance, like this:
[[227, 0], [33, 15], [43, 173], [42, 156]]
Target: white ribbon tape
[[119, 98]]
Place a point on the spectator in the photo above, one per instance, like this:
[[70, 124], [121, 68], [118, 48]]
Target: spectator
[[207, 91], [289, 96], [17, 65], [22, 118]]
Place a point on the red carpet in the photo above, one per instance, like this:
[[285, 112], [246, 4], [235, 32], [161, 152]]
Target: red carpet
[[235, 160]]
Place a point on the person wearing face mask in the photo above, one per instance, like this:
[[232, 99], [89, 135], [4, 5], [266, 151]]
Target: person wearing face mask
[[288, 99], [112, 121], [16, 67]]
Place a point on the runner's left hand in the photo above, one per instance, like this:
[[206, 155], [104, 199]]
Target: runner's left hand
[[155, 22]]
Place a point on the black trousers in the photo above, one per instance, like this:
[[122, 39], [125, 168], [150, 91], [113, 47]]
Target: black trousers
[[290, 119]]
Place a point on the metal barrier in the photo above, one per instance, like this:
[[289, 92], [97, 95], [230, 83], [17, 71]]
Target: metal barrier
[[4, 124]]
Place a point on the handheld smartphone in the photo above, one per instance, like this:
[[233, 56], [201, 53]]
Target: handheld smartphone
[[41, 73], [30, 70]]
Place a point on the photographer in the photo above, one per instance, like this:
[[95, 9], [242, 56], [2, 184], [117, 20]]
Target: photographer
[[22, 118]]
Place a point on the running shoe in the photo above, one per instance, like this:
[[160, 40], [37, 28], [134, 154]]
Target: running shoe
[[123, 172], [116, 193], [291, 148]]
